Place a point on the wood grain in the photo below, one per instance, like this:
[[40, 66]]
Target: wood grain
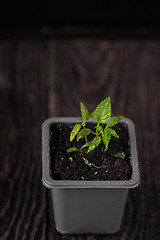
[[23, 198], [44, 78]]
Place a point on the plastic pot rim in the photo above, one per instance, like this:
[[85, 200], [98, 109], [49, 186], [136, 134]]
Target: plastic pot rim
[[49, 182]]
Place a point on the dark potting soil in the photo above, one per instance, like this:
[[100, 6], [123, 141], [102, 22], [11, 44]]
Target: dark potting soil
[[70, 166]]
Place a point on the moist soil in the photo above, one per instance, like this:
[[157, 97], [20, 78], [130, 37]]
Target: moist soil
[[71, 166]]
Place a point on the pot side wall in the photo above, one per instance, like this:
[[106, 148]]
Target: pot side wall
[[91, 210]]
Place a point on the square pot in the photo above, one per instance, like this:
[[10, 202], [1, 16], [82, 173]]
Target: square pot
[[87, 206]]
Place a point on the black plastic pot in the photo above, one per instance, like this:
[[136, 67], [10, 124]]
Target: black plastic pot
[[87, 206]]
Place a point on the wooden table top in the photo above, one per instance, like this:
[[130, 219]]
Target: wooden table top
[[49, 77]]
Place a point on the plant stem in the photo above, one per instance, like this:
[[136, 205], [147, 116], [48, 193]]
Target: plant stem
[[85, 136], [97, 129], [94, 133], [88, 163]]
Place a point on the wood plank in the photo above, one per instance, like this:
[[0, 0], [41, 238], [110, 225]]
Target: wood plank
[[128, 71], [45, 78], [22, 84]]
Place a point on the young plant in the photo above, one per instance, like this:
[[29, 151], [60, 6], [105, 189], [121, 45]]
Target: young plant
[[102, 115]]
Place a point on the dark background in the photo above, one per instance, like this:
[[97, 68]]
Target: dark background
[[79, 18], [53, 56]]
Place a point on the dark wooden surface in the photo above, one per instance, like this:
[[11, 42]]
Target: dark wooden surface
[[45, 78]]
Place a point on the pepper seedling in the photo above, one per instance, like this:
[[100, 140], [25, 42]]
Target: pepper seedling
[[102, 115]]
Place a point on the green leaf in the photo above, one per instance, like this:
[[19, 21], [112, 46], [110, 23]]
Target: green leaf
[[85, 113], [103, 111], [114, 120], [84, 132], [74, 131], [91, 114], [106, 138], [73, 149], [120, 155], [96, 141], [86, 145], [99, 128], [112, 132]]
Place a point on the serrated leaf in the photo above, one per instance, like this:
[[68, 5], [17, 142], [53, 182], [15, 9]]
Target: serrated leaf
[[99, 128], [84, 132], [96, 141], [114, 120], [85, 113], [120, 155], [112, 132], [103, 111], [74, 131], [86, 145], [106, 138], [73, 149]]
